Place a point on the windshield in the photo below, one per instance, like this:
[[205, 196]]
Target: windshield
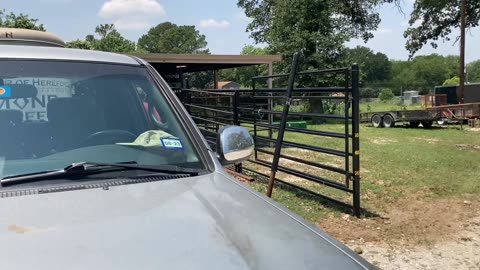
[[56, 113]]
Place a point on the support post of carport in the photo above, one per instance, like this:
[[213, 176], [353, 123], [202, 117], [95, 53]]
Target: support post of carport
[[215, 79]]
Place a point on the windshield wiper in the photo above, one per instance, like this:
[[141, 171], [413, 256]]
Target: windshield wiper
[[88, 168]]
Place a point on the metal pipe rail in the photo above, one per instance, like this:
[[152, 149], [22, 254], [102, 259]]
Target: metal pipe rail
[[253, 108]]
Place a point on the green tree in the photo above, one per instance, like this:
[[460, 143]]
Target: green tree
[[104, 29], [110, 40], [79, 44], [171, 38], [243, 75], [473, 71], [375, 67], [386, 94], [319, 28], [200, 80], [455, 80], [19, 21], [430, 71], [422, 73], [434, 20], [114, 42]]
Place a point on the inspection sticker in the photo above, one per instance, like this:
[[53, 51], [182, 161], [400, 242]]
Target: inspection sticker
[[5, 91], [171, 143]]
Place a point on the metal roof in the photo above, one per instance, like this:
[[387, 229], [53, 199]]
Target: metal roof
[[169, 63], [53, 53]]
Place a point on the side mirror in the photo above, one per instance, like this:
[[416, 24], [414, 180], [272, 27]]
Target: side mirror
[[234, 144]]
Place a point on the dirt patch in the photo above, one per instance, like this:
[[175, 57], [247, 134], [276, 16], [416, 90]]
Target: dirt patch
[[468, 146], [383, 141], [414, 233], [411, 222], [429, 140], [462, 251]]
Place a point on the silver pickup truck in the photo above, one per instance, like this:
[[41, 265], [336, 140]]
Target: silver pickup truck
[[102, 168]]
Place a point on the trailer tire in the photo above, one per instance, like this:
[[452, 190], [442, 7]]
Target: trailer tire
[[377, 121], [441, 121], [427, 124], [388, 121]]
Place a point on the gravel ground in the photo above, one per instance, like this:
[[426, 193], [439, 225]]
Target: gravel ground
[[461, 252]]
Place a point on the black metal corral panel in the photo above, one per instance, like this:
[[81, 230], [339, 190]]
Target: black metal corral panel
[[450, 91], [472, 93]]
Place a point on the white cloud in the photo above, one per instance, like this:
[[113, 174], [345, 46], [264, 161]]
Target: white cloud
[[212, 23], [120, 8], [131, 14], [131, 25]]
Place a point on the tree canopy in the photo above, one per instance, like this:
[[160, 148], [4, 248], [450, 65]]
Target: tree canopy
[[375, 67], [171, 38], [455, 80], [423, 73], [19, 21], [434, 20], [243, 75], [473, 71], [110, 40], [319, 28]]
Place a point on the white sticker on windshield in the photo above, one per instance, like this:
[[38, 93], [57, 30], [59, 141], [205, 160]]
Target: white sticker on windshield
[[172, 143]]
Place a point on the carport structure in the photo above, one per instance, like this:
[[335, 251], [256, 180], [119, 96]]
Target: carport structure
[[177, 64], [327, 164]]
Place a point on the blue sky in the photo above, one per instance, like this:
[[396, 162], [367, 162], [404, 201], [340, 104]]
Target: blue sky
[[221, 21]]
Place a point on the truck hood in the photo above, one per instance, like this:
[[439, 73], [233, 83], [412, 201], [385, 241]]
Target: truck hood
[[205, 222]]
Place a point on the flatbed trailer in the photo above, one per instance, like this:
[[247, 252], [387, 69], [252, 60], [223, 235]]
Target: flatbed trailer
[[412, 117], [426, 117]]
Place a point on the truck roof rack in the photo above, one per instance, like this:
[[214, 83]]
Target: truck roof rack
[[16, 36]]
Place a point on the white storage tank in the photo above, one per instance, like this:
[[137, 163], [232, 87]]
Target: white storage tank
[[410, 97]]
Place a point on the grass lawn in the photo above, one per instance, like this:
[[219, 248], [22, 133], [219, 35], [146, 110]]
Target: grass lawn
[[395, 162]]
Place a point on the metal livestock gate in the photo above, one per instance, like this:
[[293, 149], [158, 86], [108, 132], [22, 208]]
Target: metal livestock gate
[[331, 145]]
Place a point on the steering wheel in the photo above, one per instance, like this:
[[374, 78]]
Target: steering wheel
[[110, 136], [157, 122]]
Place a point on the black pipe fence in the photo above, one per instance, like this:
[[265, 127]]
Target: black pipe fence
[[310, 135]]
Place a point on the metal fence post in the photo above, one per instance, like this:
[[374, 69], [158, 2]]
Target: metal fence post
[[188, 99], [235, 104], [236, 121], [346, 100], [254, 114], [356, 140], [283, 123]]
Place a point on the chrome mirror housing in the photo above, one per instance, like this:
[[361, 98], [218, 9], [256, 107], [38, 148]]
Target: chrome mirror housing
[[234, 144]]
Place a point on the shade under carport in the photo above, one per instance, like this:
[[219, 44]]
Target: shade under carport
[[170, 63]]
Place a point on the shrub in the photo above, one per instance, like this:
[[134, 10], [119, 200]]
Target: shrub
[[369, 92], [386, 94]]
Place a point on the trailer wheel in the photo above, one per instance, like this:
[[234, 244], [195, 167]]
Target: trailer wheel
[[441, 121], [377, 120], [427, 124], [388, 121]]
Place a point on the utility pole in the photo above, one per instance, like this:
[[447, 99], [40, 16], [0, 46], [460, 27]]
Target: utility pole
[[462, 49]]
